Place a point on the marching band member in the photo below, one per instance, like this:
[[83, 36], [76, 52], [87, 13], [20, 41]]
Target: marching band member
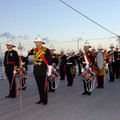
[[62, 60], [79, 60], [106, 59], [87, 62], [117, 61], [75, 58], [55, 63], [111, 63], [11, 63], [42, 62], [100, 73], [24, 65], [93, 52], [69, 64], [94, 55]]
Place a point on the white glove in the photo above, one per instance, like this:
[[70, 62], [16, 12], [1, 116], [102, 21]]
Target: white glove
[[82, 70], [49, 72], [25, 53], [22, 52], [14, 72], [106, 66]]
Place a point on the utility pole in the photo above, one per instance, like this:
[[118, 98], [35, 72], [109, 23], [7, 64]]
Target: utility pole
[[119, 42], [78, 43]]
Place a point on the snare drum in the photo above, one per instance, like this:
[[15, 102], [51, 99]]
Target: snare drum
[[54, 78], [87, 75]]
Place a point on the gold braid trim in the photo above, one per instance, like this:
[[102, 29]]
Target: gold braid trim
[[38, 54]]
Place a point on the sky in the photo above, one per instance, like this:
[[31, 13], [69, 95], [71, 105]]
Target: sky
[[24, 20]]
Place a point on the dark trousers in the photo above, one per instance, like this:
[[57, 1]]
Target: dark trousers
[[62, 72], [117, 68], [69, 77], [86, 87], [12, 85], [79, 68], [42, 87], [112, 71], [100, 80]]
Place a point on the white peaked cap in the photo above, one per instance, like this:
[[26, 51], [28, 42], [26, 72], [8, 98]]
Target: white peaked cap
[[51, 48], [93, 48], [112, 45], [69, 51], [100, 47], [10, 42], [39, 39], [80, 49], [61, 50], [87, 44], [116, 47]]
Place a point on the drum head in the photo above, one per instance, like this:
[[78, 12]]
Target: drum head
[[99, 60]]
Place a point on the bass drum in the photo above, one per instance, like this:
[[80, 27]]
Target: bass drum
[[99, 60]]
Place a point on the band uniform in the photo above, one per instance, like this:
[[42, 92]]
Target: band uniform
[[69, 64], [11, 63], [111, 66], [91, 60], [79, 61], [62, 60], [117, 63], [40, 71], [55, 63]]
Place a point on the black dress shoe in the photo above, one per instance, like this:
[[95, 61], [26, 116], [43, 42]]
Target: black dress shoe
[[97, 87], [89, 93], [53, 90], [8, 96], [84, 93], [13, 96], [39, 102], [49, 90], [24, 88], [44, 103]]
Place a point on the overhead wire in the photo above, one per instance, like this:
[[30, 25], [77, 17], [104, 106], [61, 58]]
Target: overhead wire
[[89, 18]]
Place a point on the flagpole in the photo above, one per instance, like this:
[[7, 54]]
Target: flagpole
[[20, 48]]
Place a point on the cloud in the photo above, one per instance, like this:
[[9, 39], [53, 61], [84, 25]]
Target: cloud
[[8, 35], [46, 40]]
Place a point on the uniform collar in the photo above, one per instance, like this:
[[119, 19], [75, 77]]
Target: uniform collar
[[37, 49], [40, 47], [10, 49]]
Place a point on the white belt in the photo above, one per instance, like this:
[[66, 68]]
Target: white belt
[[69, 63]]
